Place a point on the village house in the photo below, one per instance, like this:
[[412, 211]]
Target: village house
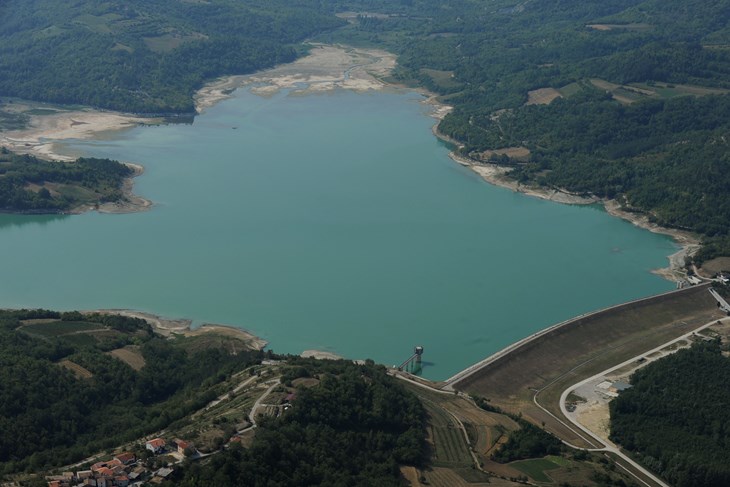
[[156, 446], [116, 472], [181, 446], [125, 458]]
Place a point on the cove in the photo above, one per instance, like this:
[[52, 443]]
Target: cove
[[333, 222]]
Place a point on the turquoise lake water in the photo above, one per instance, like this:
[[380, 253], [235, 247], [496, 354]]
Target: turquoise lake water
[[334, 222]]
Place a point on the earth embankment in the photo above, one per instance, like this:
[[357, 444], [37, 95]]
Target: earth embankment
[[543, 367]]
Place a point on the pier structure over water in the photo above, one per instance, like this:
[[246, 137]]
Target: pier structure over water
[[413, 363]]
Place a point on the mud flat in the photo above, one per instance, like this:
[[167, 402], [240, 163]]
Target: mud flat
[[325, 68]]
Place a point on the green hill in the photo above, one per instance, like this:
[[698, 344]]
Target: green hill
[[141, 56]]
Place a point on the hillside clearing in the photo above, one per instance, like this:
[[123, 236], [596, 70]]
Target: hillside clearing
[[78, 370]]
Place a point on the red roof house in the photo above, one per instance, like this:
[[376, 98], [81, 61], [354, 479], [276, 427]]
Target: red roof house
[[155, 446]]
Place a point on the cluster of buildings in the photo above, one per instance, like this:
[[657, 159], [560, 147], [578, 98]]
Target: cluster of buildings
[[612, 388], [124, 469]]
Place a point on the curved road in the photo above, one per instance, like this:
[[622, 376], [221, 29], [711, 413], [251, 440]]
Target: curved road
[[608, 446]]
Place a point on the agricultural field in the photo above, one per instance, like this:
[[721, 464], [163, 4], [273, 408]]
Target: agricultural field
[[452, 463], [130, 355], [79, 371], [634, 92], [536, 469], [542, 96], [447, 438]]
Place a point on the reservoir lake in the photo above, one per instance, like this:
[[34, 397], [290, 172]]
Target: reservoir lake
[[334, 222]]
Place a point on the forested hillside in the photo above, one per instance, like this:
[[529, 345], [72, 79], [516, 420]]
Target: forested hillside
[[142, 56], [63, 396], [354, 428], [675, 417], [32, 185], [629, 97]]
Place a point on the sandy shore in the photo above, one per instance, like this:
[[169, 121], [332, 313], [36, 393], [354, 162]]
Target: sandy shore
[[168, 327], [321, 355], [46, 133]]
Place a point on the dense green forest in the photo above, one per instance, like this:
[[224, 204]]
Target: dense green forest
[[50, 416], [141, 56], [32, 185], [528, 442], [354, 428], [675, 418]]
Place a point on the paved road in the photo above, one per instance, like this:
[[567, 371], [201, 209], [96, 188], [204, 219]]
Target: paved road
[[608, 446]]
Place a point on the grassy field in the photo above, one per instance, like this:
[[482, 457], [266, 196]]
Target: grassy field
[[535, 469], [583, 348], [713, 266]]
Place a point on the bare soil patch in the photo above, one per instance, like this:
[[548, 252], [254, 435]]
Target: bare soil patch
[[542, 96], [321, 355], [517, 153], [712, 267], [130, 355], [606, 27], [411, 475], [78, 370], [251, 341], [596, 417]]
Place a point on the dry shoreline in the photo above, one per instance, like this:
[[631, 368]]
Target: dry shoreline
[[324, 68], [168, 327], [495, 174], [45, 134]]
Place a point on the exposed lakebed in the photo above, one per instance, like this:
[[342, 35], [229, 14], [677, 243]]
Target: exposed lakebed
[[334, 222]]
